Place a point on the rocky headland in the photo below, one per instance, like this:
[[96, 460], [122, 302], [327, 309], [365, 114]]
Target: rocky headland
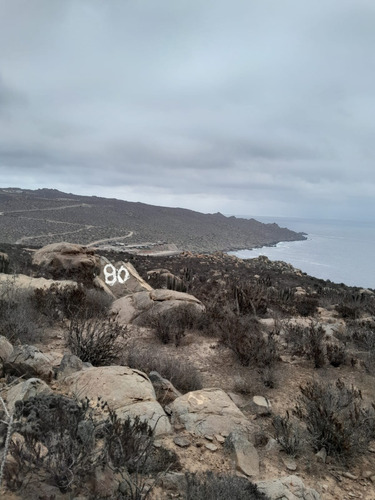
[[44, 216]]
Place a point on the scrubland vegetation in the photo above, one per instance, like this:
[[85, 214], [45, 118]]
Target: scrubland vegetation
[[270, 321]]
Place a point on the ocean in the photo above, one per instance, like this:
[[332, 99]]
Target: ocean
[[336, 250]]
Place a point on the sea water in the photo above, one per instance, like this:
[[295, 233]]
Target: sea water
[[336, 250]]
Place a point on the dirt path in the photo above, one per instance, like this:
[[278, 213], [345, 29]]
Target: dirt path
[[86, 205], [97, 242]]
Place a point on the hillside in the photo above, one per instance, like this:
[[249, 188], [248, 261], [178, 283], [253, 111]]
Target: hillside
[[252, 379], [44, 216]]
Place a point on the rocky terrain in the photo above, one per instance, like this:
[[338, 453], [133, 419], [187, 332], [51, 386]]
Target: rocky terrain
[[43, 216], [187, 376]]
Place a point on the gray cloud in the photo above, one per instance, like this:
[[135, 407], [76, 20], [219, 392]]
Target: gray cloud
[[243, 107]]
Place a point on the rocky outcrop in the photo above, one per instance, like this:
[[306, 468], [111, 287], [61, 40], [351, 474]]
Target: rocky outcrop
[[28, 361], [129, 392], [162, 278], [244, 453], [6, 350], [25, 390], [67, 259], [208, 412], [287, 488], [120, 278], [134, 308], [69, 365], [164, 389]]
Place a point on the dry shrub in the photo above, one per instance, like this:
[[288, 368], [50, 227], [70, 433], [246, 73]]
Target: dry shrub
[[59, 441], [171, 324], [95, 340], [307, 341], [69, 302], [18, 319], [182, 374], [210, 486], [243, 335], [287, 434], [336, 419]]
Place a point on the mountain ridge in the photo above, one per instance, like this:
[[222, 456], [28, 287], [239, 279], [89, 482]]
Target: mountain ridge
[[43, 216]]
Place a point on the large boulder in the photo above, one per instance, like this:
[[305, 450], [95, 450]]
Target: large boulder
[[120, 278], [25, 390], [137, 307], [29, 361], [127, 391], [6, 349], [208, 412], [67, 259], [287, 488]]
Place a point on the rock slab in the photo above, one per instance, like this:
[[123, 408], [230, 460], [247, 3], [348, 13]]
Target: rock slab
[[208, 411]]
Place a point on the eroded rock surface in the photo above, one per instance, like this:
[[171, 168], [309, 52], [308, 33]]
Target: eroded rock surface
[[127, 391], [134, 308], [208, 412]]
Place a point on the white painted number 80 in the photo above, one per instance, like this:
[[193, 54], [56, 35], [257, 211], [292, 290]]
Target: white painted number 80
[[111, 274]]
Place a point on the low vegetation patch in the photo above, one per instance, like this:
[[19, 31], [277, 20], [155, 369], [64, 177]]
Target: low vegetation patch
[[95, 340], [336, 419], [183, 375]]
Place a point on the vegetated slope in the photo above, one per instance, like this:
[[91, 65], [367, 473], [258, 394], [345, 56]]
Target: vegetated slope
[[46, 215]]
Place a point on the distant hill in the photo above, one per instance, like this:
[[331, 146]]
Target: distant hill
[[42, 216]]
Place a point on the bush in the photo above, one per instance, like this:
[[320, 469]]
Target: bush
[[249, 298], [18, 320], [336, 419], [242, 334], [183, 375], [51, 445], [70, 302], [59, 441], [307, 341], [171, 325], [95, 340], [287, 434], [336, 355], [306, 306], [209, 486]]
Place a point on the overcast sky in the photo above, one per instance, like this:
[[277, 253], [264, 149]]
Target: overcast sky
[[259, 107]]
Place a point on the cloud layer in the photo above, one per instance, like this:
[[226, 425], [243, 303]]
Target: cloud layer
[[249, 107]]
